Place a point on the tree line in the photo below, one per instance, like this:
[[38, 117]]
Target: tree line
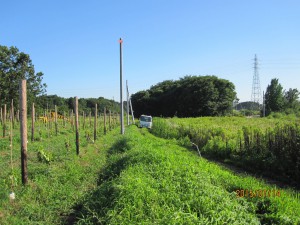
[[190, 96]]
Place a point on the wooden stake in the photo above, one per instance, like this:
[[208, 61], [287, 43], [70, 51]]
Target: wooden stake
[[12, 113], [104, 120], [18, 115], [4, 120], [109, 120], [90, 119], [95, 123], [64, 120], [1, 115], [55, 119], [76, 125], [72, 120], [50, 121], [11, 148], [83, 124], [32, 122], [23, 130]]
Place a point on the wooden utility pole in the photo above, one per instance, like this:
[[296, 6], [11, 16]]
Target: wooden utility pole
[[131, 110], [32, 122], [121, 90], [95, 123], [76, 125], [23, 130]]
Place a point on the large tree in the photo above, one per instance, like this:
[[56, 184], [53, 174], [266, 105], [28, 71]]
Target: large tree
[[14, 66], [190, 96], [274, 98]]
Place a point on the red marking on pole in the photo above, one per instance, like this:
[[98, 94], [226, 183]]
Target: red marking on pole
[[120, 41]]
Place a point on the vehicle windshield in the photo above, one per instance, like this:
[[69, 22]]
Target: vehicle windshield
[[145, 118]]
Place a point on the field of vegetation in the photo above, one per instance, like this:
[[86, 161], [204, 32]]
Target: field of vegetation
[[135, 178], [57, 176], [264, 145]]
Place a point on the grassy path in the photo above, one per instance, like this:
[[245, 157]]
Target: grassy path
[[149, 180]]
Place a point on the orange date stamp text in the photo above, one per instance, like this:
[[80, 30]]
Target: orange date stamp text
[[260, 193]]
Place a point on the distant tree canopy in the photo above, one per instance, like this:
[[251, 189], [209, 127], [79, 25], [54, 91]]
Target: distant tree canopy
[[249, 105], [14, 66], [190, 96]]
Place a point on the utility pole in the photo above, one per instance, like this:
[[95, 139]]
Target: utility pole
[[121, 90], [129, 105], [131, 110]]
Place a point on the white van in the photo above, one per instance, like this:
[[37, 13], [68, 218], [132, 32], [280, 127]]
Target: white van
[[146, 121]]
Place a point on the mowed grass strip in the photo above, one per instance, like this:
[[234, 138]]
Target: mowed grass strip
[[149, 180]]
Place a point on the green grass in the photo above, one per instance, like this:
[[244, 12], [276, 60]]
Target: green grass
[[56, 184], [267, 146], [148, 180], [136, 178]]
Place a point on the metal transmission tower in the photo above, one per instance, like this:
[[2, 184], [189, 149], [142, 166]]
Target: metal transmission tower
[[255, 96]]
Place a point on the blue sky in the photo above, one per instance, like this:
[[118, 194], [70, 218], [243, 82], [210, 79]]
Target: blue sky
[[75, 43]]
